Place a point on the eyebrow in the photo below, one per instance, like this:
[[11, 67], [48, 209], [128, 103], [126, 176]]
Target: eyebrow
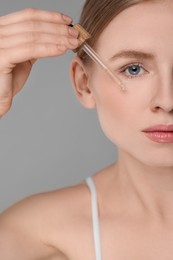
[[133, 54]]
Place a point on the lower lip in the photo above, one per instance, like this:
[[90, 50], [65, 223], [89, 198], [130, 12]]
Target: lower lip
[[160, 137]]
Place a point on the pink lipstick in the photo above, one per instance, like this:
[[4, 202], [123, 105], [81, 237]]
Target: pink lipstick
[[160, 133]]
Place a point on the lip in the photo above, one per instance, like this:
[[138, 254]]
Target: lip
[[159, 128], [160, 133]]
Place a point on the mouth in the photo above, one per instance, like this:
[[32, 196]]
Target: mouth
[[160, 133]]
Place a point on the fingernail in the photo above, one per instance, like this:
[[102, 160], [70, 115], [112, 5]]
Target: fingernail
[[74, 41], [67, 18], [73, 31]]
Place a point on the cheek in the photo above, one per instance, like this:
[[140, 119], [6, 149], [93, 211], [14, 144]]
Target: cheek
[[114, 110], [119, 112]]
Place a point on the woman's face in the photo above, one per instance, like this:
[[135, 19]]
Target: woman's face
[[148, 101]]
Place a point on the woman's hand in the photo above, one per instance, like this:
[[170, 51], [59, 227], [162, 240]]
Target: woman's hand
[[26, 36]]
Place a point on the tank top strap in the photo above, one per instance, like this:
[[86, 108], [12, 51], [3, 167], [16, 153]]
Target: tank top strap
[[95, 218]]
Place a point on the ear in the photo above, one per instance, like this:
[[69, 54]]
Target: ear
[[80, 82]]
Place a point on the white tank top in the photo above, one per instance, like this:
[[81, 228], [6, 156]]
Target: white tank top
[[95, 218]]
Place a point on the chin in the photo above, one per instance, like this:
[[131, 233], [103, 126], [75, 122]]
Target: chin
[[164, 162], [153, 158]]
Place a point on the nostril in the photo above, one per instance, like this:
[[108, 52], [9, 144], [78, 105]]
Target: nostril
[[155, 109], [166, 109]]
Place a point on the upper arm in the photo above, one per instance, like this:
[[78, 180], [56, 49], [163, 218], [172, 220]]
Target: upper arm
[[37, 227], [19, 237], [13, 244]]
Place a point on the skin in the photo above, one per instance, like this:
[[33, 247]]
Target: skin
[[26, 36], [134, 193]]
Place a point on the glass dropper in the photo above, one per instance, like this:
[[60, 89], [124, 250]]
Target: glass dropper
[[83, 36], [96, 58]]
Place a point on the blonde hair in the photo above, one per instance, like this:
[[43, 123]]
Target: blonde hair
[[97, 14]]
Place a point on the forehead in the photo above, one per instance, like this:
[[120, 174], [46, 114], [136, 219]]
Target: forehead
[[148, 24]]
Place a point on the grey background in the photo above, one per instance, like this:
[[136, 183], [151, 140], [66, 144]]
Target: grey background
[[47, 139]]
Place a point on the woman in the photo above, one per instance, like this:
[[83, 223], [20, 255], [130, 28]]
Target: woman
[[134, 195]]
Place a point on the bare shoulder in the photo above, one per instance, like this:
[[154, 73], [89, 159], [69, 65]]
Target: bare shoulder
[[39, 207], [51, 223], [43, 221]]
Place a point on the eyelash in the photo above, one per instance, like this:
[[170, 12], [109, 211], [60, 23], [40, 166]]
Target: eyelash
[[129, 66]]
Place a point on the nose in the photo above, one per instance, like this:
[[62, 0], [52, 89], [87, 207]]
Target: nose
[[163, 96]]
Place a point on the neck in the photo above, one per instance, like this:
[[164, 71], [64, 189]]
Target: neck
[[150, 188]]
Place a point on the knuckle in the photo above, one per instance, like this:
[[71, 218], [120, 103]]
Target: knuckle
[[56, 16], [63, 30], [50, 49], [36, 49], [61, 49], [32, 37], [31, 11], [30, 48], [31, 25], [67, 28], [61, 42]]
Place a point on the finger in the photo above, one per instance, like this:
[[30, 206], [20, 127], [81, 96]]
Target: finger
[[35, 14], [35, 26], [6, 94], [32, 37], [12, 56]]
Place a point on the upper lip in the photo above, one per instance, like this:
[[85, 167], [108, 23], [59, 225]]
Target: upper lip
[[159, 128]]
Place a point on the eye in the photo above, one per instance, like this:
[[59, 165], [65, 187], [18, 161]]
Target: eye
[[133, 71]]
